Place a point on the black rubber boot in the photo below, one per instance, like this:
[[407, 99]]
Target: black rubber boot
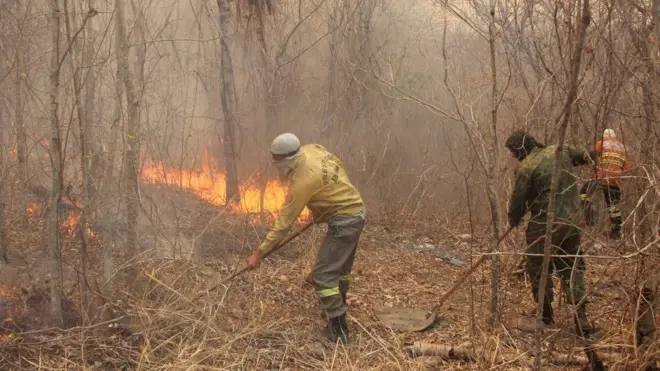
[[615, 234], [582, 326], [337, 330], [343, 298], [548, 314], [595, 364]]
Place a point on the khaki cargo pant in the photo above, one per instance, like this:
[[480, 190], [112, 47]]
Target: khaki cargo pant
[[334, 262]]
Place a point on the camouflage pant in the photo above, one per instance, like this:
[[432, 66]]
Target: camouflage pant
[[571, 269], [334, 262]]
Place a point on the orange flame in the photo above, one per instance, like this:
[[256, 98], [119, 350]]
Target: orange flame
[[211, 186], [70, 225], [33, 209]]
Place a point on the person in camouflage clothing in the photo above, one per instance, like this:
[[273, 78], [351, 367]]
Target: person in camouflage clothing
[[531, 193]]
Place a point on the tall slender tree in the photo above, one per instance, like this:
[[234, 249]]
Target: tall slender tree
[[56, 280], [229, 104], [131, 140]]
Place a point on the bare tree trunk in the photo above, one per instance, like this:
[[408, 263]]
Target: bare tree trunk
[[329, 113], [271, 111], [21, 76], [141, 49], [21, 137], [93, 162], [82, 129], [82, 273], [228, 104], [131, 143], [3, 174], [110, 206], [576, 62], [56, 160], [492, 179]]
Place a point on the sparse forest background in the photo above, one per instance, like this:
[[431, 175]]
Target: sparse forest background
[[134, 135]]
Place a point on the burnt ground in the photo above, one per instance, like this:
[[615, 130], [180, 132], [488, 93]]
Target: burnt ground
[[269, 319]]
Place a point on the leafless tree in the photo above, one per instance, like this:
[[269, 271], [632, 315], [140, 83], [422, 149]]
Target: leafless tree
[[575, 65], [22, 12], [84, 204], [57, 171], [131, 140], [229, 103]]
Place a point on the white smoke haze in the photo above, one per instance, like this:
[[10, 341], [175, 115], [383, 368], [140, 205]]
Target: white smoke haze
[[415, 97]]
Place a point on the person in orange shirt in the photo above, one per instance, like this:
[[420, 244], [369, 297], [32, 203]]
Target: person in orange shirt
[[612, 163]]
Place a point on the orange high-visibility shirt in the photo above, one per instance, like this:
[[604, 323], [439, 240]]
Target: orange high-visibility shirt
[[613, 161]]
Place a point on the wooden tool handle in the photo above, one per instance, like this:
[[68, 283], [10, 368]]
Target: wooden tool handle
[[245, 267], [288, 239], [461, 279]]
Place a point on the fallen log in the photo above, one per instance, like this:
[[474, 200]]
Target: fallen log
[[580, 358], [461, 353], [446, 352]]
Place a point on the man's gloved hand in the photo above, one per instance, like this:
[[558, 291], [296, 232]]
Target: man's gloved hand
[[254, 260]]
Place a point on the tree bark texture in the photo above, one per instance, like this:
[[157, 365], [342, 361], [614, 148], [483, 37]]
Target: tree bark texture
[[19, 119], [228, 98], [140, 49], [21, 136], [131, 143], [3, 180], [269, 82], [329, 112], [82, 130], [92, 160], [492, 179], [56, 161], [109, 209]]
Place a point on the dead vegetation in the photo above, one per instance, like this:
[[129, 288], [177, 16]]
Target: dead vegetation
[[134, 174], [269, 319]]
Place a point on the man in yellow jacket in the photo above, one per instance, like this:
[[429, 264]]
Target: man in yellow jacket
[[318, 180]]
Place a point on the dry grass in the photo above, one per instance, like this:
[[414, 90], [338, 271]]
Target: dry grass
[[270, 319]]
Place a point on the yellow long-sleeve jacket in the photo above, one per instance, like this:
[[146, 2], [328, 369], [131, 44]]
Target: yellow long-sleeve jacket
[[318, 180]]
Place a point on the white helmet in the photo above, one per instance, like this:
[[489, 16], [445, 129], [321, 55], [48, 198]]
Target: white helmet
[[284, 146], [284, 149], [609, 133]]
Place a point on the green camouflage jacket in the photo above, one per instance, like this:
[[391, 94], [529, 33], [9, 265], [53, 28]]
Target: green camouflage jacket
[[532, 188]]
